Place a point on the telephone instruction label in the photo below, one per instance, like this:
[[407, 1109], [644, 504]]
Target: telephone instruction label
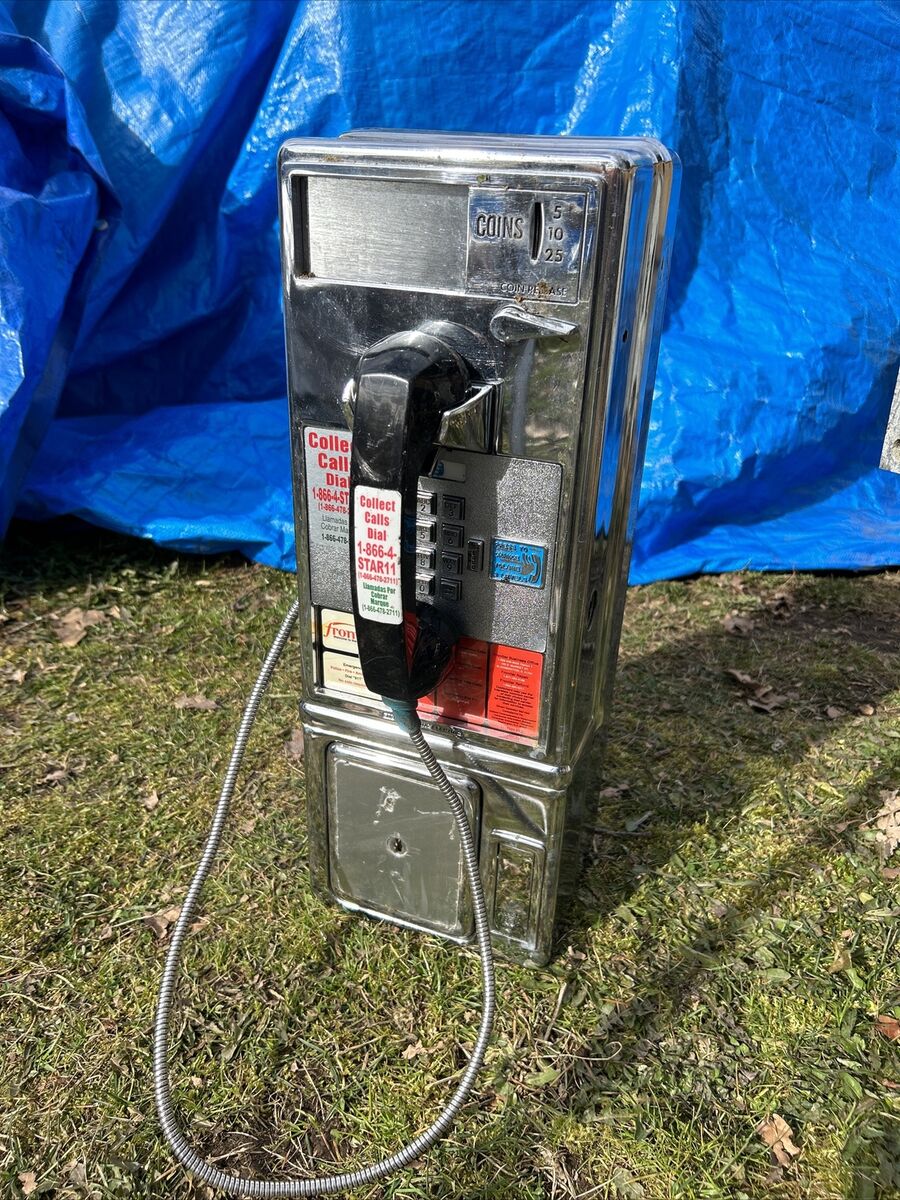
[[518, 562], [327, 455], [376, 524]]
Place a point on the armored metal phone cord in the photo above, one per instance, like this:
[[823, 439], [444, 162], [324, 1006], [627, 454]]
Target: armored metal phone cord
[[346, 1180]]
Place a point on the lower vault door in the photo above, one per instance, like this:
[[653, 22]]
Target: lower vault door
[[393, 846]]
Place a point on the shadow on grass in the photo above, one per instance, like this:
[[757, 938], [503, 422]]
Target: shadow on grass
[[687, 752]]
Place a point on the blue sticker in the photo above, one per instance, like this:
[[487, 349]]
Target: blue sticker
[[518, 562]]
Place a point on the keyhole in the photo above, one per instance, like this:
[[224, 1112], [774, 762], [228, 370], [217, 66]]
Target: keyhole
[[396, 845]]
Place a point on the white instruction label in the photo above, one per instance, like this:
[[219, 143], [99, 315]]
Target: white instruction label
[[376, 525], [327, 453], [340, 673]]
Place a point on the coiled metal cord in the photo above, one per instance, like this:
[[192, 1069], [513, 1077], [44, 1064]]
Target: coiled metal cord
[[326, 1184]]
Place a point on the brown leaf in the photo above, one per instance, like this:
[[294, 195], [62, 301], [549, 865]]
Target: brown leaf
[[833, 712], [150, 802], [73, 625], [737, 625], [888, 1026], [741, 677], [293, 747], [160, 922], [18, 676], [414, 1051], [120, 613], [199, 702], [57, 775], [28, 1180], [890, 873], [866, 710], [764, 699], [841, 961], [779, 1137], [887, 823]]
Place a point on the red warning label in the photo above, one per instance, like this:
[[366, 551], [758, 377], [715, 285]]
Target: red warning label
[[514, 690], [461, 695]]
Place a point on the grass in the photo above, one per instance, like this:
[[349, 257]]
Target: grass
[[695, 991]]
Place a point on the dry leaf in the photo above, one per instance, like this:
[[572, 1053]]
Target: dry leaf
[[766, 700], [293, 747], [741, 677], [888, 1026], [778, 1136], [18, 676], [57, 775], [890, 873], [866, 710], [414, 1051], [842, 960], [833, 712], [73, 625], [160, 922], [887, 823], [737, 625], [150, 802], [76, 1172], [28, 1181], [199, 702], [120, 613]]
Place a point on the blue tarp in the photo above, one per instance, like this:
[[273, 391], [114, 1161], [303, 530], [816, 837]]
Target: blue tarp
[[141, 354]]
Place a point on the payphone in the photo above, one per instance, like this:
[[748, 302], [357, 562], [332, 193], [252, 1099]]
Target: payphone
[[472, 325]]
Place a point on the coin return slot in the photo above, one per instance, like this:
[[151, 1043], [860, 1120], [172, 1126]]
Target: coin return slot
[[396, 846], [537, 230]]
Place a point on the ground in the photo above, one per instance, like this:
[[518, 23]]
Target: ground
[[732, 954]]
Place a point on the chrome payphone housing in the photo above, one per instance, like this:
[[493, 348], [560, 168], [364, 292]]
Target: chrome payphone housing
[[543, 263]]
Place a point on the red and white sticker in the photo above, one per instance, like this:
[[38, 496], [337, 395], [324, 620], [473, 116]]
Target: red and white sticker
[[514, 690], [327, 453], [376, 526]]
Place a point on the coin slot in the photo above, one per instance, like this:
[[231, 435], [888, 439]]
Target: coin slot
[[537, 230], [396, 845], [300, 214]]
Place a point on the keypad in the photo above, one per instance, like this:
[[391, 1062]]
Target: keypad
[[442, 552]]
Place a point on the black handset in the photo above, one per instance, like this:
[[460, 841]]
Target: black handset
[[404, 387]]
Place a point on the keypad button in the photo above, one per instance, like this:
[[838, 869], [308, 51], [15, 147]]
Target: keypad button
[[425, 532], [426, 503], [452, 536], [451, 589], [453, 508], [424, 560], [424, 586], [451, 564], [475, 554]]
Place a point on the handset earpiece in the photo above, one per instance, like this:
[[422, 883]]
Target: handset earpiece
[[404, 387]]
